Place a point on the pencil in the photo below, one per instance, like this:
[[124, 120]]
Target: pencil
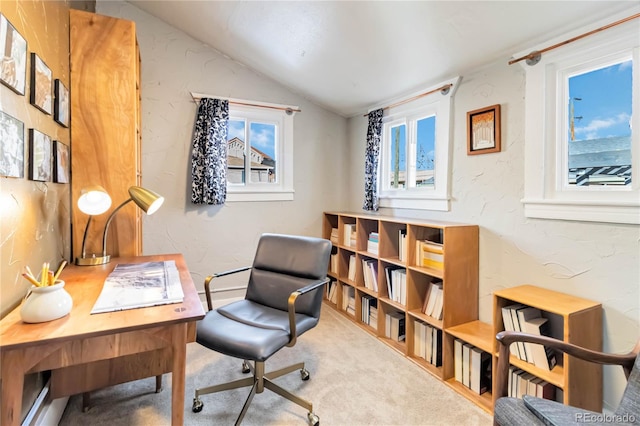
[[60, 268], [31, 280]]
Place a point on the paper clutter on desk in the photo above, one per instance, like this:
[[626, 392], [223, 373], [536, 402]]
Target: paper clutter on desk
[[46, 303]]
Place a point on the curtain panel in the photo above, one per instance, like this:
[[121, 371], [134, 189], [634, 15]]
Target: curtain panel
[[209, 155], [372, 154]]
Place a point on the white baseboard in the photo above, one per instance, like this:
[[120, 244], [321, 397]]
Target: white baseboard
[[44, 411]]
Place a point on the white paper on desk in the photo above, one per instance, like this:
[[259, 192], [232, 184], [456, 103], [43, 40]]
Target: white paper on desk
[[138, 285]]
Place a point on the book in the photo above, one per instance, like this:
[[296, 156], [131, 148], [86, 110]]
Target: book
[[439, 302], [349, 234], [525, 314], [508, 326], [480, 363], [139, 285], [545, 390], [428, 350], [466, 364], [396, 327], [516, 327], [402, 245], [457, 360], [352, 268], [418, 339], [436, 347], [543, 357]]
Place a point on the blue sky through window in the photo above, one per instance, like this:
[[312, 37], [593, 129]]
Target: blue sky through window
[[262, 136]]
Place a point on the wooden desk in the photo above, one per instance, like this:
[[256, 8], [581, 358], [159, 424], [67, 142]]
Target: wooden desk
[[87, 352]]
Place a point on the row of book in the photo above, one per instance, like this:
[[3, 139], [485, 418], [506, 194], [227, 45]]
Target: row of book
[[429, 254], [333, 264], [427, 343], [369, 311], [370, 273], [372, 242], [349, 300], [518, 317], [472, 367], [332, 291], [434, 300], [349, 234], [402, 245], [351, 275], [522, 383], [394, 326], [396, 284]]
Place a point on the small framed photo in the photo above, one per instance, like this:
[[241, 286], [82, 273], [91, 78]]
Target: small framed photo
[[61, 104], [13, 57], [11, 146], [483, 130], [41, 85], [60, 162], [39, 156]]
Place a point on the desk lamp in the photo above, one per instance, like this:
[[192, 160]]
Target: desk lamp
[[146, 199], [93, 201]]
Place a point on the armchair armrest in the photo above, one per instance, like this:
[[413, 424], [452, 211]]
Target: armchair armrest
[[292, 308], [207, 282], [507, 337]]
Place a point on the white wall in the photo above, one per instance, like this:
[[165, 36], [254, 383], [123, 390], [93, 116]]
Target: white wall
[[598, 261], [214, 238]]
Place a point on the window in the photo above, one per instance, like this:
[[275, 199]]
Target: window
[[259, 154], [581, 135], [414, 157]]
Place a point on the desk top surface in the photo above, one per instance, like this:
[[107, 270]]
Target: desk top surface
[[84, 284]]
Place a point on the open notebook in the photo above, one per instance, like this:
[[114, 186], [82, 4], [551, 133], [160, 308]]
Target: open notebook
[[139, 285]]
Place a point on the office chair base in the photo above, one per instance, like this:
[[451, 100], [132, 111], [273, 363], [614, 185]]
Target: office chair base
[[258, 382]]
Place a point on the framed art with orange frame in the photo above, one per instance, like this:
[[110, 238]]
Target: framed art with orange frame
[[483, 130]]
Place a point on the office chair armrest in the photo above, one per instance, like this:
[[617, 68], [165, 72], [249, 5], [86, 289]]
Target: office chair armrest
[[292, 307], [207, 282], [506, 338]]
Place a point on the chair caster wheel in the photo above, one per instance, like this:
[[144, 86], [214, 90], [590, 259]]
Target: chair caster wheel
[[245, 367], [197, 405], [304, 374], [313, 419]]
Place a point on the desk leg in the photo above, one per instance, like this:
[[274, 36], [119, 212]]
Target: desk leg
[[12, 387], [178, 374]]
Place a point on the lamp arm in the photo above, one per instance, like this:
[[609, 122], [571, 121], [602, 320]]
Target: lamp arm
[[84, 238], [106, 227]]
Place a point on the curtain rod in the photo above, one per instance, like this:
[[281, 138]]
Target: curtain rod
[[534, 56], [289, 110], [444, 89]]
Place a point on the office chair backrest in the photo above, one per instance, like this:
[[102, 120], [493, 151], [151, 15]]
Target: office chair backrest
[[284, 263]]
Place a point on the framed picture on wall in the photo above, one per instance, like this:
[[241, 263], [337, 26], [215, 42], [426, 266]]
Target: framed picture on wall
[[483, 130], [13, 57], [41, 85], [61, 162], [12, 146], [61, 104], [39, 156]]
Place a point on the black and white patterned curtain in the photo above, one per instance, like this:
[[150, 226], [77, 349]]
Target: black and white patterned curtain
[[209, 155], [372, 153]]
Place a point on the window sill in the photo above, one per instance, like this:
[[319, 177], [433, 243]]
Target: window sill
[[247, 196], [583, 211], [417, 202]]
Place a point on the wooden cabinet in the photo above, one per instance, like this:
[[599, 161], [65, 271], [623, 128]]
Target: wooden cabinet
[[105, 127], [574, 320], [458, 273]]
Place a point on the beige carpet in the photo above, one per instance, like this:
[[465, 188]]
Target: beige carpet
[[355, 380]]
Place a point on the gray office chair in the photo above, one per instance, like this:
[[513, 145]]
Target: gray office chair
[[532, 411], [283, 300]]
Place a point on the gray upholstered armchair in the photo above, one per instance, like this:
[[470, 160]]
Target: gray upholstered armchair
[[283, 300], [537, 411]]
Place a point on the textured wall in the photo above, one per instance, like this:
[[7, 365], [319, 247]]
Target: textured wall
[[34, 216], [213, 238], [598, 261]]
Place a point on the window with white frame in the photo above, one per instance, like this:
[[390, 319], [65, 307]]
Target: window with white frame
[[259, 153], [582, 155], [414, 156]]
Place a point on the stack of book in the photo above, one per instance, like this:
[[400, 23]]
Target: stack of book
[[429, 254], [370, 311], [522, 383], [349, 235], [370, 273], [472, 366], [372, 243], [434, 301], [518, 317], [396, 284], [395, 326], [334, 236], [427, 343]]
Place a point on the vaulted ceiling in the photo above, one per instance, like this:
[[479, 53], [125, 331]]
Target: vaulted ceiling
[[349, 56]]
